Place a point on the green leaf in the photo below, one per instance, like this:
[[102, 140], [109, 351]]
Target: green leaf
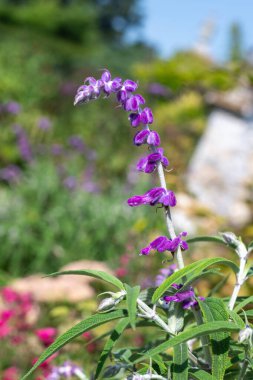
[[180, 362], [92, 273], [214, 309], [131, 298], [250, 246], [195, 332], [192, 270], [115, 335], [88, 324], [243, 303], [250, 272], [218, 286], [199, 374], [197, 239], [249, 314], [236, 318]]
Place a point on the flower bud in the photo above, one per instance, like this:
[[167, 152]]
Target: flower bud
[[246, 336], [235, 242], [109, 302]]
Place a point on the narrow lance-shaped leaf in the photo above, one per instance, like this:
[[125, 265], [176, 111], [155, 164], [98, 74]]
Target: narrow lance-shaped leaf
[[115, 335], [192, 270], [214, 309], [180, 362], [250, 246], [195, 332], [198, 239], [236, 318], [243, 303], [88, 324], [131, 299], [200, 374], [92, 273]]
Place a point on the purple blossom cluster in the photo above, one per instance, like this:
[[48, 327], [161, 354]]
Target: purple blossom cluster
[[187, 297], [162, 244], [23, 143], [143, 118], [11, 107], [165, 273], [154, 196]]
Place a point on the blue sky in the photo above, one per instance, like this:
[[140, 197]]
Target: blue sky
[[170, 25]]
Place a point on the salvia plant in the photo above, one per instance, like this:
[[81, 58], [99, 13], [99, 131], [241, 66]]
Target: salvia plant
[[197, 338]]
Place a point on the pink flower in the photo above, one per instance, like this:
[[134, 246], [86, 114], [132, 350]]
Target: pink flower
[[46, 335], [121, 272], [10, 373], [9, 295], [5, 330]]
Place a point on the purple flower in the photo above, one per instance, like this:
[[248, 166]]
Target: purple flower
[[12, 107], [162, 244], [164, 273], [110, 85], [77, 143], [57, 149], [146, 116], [168, 199], [130, 85], [135, 119], [10, 173], [158, 89], [44, 123], [177, 241], [70, 182], [133, 102], [145, 136], [149, 163], [153, 138], [187, 297], [23, 143], [152, 197]]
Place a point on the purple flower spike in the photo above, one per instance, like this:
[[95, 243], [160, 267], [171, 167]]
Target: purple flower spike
[[153, 138]]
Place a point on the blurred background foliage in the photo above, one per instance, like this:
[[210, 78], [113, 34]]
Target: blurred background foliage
[[65, 172]]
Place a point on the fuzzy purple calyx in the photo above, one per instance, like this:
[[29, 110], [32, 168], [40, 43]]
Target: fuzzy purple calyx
[[146, 136], [149, 163]]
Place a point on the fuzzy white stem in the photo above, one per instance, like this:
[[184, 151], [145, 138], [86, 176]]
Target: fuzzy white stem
[[171, 230], [240, 279], [149, 313]]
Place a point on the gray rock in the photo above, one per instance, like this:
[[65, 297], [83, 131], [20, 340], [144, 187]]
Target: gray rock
[[220, 173]]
